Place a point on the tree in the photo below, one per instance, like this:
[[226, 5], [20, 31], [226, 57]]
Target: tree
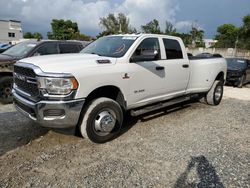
[[37, 35], [29, 35], [226, 36], [244, 33], [152, 27], [186, 38], [197, 37], [170, 30], [115, 24], [83, 37], [63, 30]]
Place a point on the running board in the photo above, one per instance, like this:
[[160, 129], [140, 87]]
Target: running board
[[159, 106]]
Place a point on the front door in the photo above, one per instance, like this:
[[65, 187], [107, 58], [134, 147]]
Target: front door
[[146, 72]]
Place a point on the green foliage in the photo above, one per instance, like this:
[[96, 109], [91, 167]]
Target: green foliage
[[152, 27], [63, 30], [29, 35], [186, 37], [170, 30], [244, 33], [227, 35], [66, 30], [79, 36], [193, 38], [37, 35], [230, 36], [115, 24], [197, 37]]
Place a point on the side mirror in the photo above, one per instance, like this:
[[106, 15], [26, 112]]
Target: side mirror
[[145, 55]]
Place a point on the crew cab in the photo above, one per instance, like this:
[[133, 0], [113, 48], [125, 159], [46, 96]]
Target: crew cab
[[28, 49], [92, 90]]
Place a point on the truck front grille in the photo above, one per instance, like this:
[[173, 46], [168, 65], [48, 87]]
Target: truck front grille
[[25, 80], [24, 71]]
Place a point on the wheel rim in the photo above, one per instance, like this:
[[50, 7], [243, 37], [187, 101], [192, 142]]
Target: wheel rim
[[6, 92], [104, 122], [218, 93]]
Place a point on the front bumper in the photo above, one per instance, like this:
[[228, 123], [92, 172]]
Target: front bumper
[[54, 114], [233, 79]]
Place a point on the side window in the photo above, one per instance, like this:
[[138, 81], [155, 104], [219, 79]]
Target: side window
[[80, 47], [46, 49], [68, 48], [148, 50], [173, 49]]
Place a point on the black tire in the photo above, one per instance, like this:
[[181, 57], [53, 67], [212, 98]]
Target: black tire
[[101, 121], [214, 96], [241, 81], [6, 84]]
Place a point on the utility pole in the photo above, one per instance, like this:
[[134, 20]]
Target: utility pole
[[235, 45], [120, 28]]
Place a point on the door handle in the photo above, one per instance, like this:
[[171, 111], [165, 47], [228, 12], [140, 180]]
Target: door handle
[[159, 68], [185, 66]]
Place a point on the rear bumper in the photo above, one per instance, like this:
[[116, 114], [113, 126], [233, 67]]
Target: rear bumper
[[54, 114]]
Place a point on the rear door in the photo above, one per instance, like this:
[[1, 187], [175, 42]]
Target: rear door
[[177, 68], [68, 48]]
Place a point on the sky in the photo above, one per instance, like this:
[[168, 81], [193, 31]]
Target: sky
[[36, 15]]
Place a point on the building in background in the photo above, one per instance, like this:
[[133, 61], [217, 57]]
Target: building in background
[[209, 42], [10, 30]]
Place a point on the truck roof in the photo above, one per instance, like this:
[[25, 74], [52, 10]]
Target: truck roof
[[146, 34]]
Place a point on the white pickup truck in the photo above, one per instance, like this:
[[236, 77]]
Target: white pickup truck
[[93, 89]]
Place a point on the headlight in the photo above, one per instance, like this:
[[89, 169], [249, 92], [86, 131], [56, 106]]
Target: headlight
[[57, 86]]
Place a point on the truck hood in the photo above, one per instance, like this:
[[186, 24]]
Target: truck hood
[[6, 58], [65, 63]]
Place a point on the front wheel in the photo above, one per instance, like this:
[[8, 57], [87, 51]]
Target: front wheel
[[6, 89], [102, 120], [215, 94], [241, 81]]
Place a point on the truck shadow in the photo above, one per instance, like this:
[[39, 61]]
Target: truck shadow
[[207, 175], [16, 130], [130, 121]]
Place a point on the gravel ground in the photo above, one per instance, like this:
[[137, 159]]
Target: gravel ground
[[195, 145]]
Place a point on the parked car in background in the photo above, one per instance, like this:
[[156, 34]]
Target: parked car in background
[[238, 71], [28, 49], [206, 55], [4, 47]]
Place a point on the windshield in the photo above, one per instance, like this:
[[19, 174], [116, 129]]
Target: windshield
[[236, 63], [20, 49], [110, 46]]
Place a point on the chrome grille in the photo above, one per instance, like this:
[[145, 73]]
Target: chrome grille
[[25, 80]]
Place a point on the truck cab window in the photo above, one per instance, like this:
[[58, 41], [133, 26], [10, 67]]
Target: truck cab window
[[149, 49], [173, 49]]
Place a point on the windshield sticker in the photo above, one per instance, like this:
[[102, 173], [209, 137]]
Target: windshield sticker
[[241, 61], [129, 38], [31, 45]]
